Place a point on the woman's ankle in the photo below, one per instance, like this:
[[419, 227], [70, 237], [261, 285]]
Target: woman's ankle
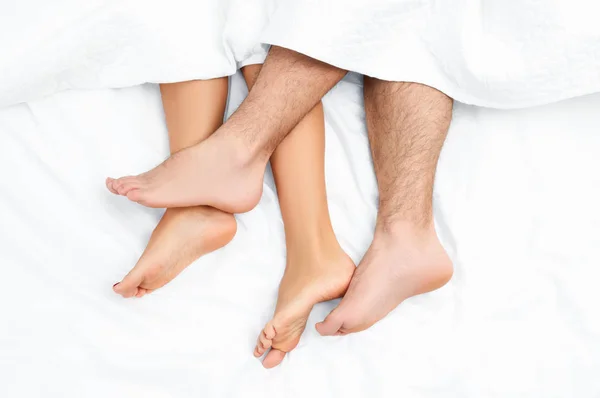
[[320, 246]]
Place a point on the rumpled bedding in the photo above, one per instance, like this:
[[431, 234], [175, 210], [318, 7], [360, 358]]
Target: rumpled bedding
[[493, 53], [52, 46], [515, 204]]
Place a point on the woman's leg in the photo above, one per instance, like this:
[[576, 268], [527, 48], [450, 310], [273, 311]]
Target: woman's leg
[[193, 111], [317, 269]]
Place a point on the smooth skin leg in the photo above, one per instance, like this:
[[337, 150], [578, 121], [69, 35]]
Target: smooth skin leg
[[317, 268], [193, 111], [407, 124], [226, 171]]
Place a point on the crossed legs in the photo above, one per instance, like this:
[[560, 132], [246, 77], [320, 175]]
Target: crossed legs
[[407, 126], [226, 170], [193, 111], [317, 269]]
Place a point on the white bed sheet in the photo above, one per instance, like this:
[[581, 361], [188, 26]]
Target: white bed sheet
[[515, 204]]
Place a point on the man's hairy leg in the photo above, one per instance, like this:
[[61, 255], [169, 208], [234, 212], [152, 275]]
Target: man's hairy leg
[[407, 125], [226, 170]]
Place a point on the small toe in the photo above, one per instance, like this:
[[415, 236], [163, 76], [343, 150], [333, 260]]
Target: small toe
[[269, 331], [128, 186], [273, 358], [142, 292], [118, 183], [264, 343], [265, 340], [259, 350], [109, 185]]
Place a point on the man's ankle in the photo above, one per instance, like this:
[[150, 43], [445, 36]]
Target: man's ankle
[[253, 141], [244, 150], [402, 227]]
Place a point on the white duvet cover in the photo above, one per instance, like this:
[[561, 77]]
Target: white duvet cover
[[494, 53], [515, 203], [51, 46]]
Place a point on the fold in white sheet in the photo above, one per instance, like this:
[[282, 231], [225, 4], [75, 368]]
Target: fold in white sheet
[[496, 53], [46, 47], [516, 200]]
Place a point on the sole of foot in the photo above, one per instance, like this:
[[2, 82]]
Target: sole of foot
[[396, 266], [212, 173], [181, 237], [306, 282]]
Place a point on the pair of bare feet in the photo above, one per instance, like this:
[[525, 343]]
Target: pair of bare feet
[[402, 261]]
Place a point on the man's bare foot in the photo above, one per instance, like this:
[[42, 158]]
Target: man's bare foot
[[216, 172], [398, 265], [181, 237], [308, 280]]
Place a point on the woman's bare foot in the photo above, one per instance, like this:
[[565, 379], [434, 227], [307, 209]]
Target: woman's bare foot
[[308, 280], [181, 237], [398, 265], [216, 172]]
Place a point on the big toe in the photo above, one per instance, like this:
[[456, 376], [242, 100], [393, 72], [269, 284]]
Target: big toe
[[332, 324], [346, 318], [130, 285], [273, 358]]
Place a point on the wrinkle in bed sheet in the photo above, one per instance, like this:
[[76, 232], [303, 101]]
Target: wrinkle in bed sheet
[[515, 205]]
